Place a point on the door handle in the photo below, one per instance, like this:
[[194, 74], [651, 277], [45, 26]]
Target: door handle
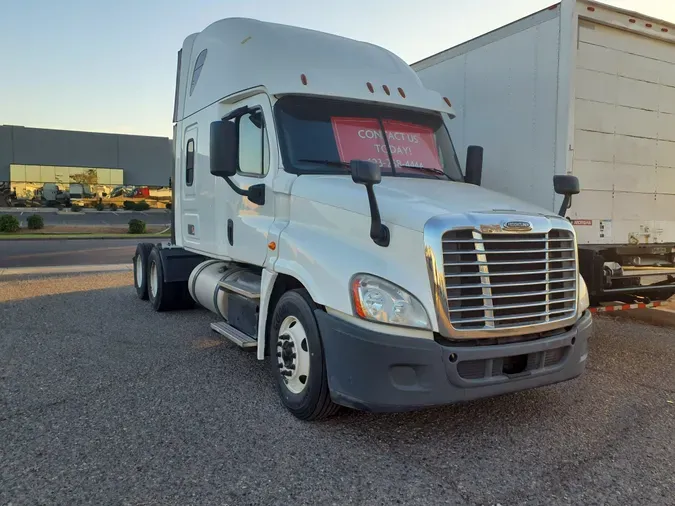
[[230, 232]]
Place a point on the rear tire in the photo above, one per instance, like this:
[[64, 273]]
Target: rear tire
[[160, 293], [297, 360], [140, 268], [165, 296]]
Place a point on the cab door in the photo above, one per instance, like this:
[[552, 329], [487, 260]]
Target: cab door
[[248, 223]]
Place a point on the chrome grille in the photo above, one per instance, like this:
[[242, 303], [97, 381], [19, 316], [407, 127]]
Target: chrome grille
[[509, 280]]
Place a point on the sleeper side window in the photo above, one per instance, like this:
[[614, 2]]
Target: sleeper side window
[[190, 163], [199, 64], [253, 144]]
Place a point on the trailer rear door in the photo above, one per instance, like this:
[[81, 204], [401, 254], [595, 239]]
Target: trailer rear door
[[624, 130]]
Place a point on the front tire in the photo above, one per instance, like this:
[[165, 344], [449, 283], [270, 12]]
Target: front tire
[[140, 268], [297, 360]]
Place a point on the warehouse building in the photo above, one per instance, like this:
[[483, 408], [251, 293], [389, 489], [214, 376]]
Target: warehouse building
[[31, 157]]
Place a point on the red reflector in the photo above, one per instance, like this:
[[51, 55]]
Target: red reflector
[[665, 30], [303, 78], [401, 92], [370, 88], [553, 7], [631, 20], [386, 89], [648, 25], [592, 9], [447, 101]]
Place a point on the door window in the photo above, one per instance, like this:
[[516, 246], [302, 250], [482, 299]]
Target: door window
[[253, 144], [190, 163]]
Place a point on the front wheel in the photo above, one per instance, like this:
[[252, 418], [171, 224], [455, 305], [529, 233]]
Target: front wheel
[[296, 357]]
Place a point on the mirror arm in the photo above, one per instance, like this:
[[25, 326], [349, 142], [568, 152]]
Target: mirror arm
[[255, 193], [240, 111], [237, 190], [566, 204], [379, 233]]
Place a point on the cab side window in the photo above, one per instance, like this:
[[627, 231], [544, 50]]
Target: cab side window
[[190, 163], [253, 144]]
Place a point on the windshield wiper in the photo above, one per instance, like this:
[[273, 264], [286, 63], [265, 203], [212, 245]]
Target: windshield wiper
[[429, 170], [330, 163]]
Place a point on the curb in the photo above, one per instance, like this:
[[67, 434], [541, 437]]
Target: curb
[[661, 316], [13, 210], [65, 269], [127, 237]]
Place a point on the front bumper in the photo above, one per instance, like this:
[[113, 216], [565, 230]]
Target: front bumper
[[372, 371]]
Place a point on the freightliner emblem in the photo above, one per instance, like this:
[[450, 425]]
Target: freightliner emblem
[[517, 226]]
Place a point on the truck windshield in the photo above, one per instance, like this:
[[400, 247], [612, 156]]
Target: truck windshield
[[321, 135]]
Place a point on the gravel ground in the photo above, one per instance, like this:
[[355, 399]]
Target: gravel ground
[[103, 401]]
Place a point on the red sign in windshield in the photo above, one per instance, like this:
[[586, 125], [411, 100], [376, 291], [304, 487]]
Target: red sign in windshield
[[362, 139]]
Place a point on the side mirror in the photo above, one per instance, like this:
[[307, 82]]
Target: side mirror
[[364, 172], [223, 148], [369, 174], [474, 165], [224, 159], [566, 185]]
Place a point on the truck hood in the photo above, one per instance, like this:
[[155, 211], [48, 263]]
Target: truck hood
[[409, 202]]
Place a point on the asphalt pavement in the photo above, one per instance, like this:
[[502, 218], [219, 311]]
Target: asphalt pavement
[[92, 218], [38, 253], [103, 401]]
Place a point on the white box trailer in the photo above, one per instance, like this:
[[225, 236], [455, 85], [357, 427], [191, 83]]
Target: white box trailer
[[586, 89]]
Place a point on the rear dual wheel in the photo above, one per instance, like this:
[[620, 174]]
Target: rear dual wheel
[[149, 280], [140, 268]]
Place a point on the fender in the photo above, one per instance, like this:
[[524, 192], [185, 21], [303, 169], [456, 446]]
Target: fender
[[323, 247]]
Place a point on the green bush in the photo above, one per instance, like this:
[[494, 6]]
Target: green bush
[[100, 207], [36, 222], [76, 208], [136, 226], [113, 207], [130, 205], [9, 224]]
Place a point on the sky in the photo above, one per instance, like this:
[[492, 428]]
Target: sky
[[110, 66]]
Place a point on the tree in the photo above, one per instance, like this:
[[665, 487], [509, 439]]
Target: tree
[[89, 176]]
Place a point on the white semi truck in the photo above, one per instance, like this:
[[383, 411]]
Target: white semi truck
[[320, 212], [585, 89]]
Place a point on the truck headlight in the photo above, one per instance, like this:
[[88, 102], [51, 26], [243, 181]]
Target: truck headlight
[[378, 300], [584, 299]]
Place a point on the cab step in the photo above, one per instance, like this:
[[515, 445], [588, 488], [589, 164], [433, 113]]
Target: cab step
[[235, 335]]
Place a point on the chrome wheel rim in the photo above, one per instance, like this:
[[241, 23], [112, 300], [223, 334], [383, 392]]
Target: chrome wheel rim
[[154, 281], [293, 354], [139, 271]]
